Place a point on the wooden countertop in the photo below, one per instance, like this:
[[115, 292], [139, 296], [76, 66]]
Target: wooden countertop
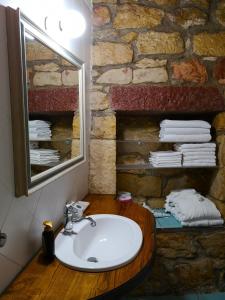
[[54, 281]]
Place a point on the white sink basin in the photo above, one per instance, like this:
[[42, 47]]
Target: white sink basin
[[113, 242]]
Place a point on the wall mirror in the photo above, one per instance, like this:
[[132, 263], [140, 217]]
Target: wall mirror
[[47, 101]]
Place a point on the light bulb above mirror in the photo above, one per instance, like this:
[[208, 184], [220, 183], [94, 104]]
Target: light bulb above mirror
[[71, 24]]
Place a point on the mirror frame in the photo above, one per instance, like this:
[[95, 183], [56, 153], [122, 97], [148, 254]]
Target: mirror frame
[[16, 23]]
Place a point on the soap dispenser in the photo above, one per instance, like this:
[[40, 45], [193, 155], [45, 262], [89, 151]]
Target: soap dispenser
[[48, 241]]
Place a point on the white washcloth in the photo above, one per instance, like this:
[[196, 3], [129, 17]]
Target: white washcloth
[[185, 138], [197, 156], [182, 123], [185, 131]]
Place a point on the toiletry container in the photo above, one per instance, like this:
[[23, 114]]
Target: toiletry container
[[48, 241]]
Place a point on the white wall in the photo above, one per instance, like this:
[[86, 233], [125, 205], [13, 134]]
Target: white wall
[[21, 218]]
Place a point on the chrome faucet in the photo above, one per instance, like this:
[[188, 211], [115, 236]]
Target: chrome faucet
[[73, 214]]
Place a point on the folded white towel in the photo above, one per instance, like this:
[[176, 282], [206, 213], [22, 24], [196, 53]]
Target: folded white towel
[[184, 130], [191, 206], [204, 223], [184, 123], [185, 138], [194, 146], [166, 165], [165, 153], [197, 156], [199, 164]]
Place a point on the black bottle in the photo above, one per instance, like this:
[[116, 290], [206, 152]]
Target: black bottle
[[48, 241]]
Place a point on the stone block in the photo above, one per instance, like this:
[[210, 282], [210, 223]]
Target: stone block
[[220, 206], [176, 245], [37, 51], [101, 15], [200, 3], [99, 101], [102, 178], [75, 150], [220, 13], [130, 159], [156, 202], [105, 35], [209, 44], [187, 17], [76, 126], [149, 186], [160, 43], [129, 37], [111, 54], [191, 70], [70, 78], [219, 122], [150, 63], [165, 2], [116, 76], [213, 244], [219, 71], [221, 151], [166, 98], [196, 179], [48, 67], [217, 188], [137, 16], [195, 274], [155, 75], [47, 78], [104, 127]]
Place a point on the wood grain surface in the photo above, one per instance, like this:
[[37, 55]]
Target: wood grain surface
[[42, 280]]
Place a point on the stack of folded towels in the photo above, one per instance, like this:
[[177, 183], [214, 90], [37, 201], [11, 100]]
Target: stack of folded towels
[[165, 159], [192, 209], [198, 154], [39, 130], [184, 131], [44, 156]]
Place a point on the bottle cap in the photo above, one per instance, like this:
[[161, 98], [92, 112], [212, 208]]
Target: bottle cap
[[48, 225]]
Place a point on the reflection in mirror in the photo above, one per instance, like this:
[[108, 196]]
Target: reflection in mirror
[[53, 104]]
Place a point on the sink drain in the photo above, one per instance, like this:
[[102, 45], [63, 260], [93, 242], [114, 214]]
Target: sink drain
[[92, 259]]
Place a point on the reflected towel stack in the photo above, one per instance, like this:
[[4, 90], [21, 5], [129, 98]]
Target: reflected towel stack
[[203, 154], [39, 130], [165, 159], [192, 209], [184, 131], [44, 156]]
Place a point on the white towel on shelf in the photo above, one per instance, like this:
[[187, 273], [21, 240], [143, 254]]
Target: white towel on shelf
[[198, 164], [199, 156], [165, 153], [184, 123], [197, 223], [182, 147], [185, 130], [185, 138], [188, 207]]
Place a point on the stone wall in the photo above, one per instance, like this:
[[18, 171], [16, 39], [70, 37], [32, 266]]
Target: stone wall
[[143, 53], [146, 51], [186, 262]]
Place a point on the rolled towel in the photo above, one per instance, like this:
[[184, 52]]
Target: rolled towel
[[185, 138], [184, 123]]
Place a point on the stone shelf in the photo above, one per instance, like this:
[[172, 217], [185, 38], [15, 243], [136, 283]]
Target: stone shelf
[[148, 166], [53, 140], [158, 142]]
